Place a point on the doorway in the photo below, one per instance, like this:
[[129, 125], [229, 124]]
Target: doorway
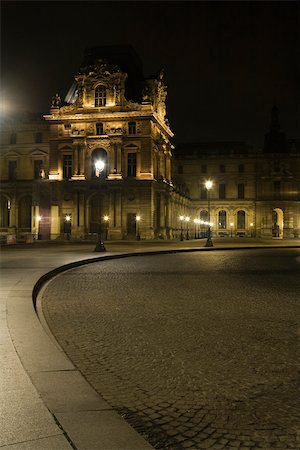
[[277, 226]]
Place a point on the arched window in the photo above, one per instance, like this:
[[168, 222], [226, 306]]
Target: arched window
[[241, 220], [99, 155], [99, 128], [222, 220], [204, 215], [24, 217], [100, 95]]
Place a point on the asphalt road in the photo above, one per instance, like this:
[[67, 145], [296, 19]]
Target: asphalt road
[[195, 350]]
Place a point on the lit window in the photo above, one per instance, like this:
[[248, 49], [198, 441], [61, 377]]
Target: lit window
[[131, 168], [222, 219], [241, 220], [132, 128], [100, 95], [99, 128], [38, 165], [67, 166], [241, 190]]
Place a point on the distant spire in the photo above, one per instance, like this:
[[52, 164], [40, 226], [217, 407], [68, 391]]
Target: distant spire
[[274, 125]]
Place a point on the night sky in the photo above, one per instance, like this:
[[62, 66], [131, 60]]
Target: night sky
[[226, 63]]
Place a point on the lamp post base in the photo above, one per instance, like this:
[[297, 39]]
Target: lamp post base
[[100, 247], [209, 242]]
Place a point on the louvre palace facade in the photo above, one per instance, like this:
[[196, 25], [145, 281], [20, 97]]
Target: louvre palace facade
[[102, 162]]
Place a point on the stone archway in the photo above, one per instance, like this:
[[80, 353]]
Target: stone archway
[[277, 223]]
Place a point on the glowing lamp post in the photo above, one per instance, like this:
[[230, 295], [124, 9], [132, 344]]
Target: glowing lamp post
[[251, 228], [196, 224], [106, 219], [181, 218], [209, 185], [138, 218], [187, 219], [67, 226], [99, 167], [231, 227]]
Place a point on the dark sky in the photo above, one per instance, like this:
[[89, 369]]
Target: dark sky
[[226, 63]]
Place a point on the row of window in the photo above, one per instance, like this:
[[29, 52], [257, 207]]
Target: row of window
[[222, 168], [38, 138], [68, 167], [222, 191], [223, 220], [131, 128]]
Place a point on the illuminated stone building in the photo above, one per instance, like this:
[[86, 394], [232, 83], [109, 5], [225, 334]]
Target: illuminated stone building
[[52, 184], [106, 152], [256, 192]]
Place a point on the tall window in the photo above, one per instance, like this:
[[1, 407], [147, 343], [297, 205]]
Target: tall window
[[67, 166], [241, 190], [99, 128], [222, 168], [222, 220], [13, 138], [204, 215], [241, 220], [222, 191], [241, 168], [100, 95], [38, 137], [38, 165], [203, 193], [132, 128], [131, 167], [204, 168], [180, 169], [12, 170]]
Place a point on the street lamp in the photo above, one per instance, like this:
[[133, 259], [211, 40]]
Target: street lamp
[[99, 167], [181, 218], [106, 219], [67, 226], [231, 226], [208, 185], [251, 227], [138, 218], [187, 219]]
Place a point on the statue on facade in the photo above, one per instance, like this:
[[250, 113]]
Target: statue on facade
[[56, 101]]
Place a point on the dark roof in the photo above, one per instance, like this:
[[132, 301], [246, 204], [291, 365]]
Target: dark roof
[[197, 149], [126, 58]]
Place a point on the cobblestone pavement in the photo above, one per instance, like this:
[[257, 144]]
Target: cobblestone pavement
[[195, 350]]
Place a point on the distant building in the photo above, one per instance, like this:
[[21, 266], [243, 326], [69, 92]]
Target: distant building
[[256, 192], [106, 151]]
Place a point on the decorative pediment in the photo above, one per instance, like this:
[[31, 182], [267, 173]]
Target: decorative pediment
[[12, 154], [38, 152], [65, 147]]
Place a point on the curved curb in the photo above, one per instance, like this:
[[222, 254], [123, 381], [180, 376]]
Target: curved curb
[[47, 276]]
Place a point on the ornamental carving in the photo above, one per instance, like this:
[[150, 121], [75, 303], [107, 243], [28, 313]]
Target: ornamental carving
[[99, 69]]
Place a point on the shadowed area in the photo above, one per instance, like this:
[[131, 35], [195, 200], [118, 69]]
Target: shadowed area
[[195, 350]]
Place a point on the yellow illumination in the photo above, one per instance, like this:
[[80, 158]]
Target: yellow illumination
[[208, 184], [106, 218], [181, 218], [138, 218], [39, 218], [68, 218]]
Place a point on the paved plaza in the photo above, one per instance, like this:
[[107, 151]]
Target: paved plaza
[[195, 350]]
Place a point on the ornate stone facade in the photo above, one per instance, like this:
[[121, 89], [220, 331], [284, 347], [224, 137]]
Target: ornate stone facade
[[69, 195], [106, 151]]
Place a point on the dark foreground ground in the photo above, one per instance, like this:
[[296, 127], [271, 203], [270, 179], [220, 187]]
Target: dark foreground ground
[[195, 350]]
